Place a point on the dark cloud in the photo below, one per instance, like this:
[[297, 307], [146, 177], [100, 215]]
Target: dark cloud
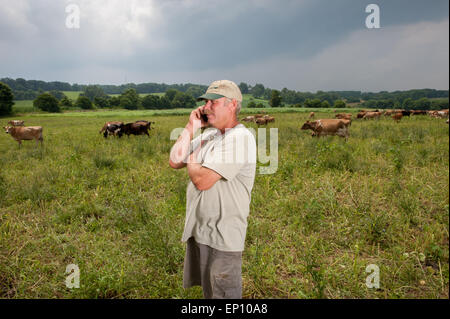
[[191, 40]]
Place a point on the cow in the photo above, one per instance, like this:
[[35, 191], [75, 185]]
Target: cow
[[372, 115], [406, 112], [397, 116], [343, 115], [248, 119], [328, 127], [135, 129], [147, 123], [20, 133], [419, 112], [16, 123], [311, 115], [260, 121], [106, 125], [113, 129], [269, 118], [360, 114]]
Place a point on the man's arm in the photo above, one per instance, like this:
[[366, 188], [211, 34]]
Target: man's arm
[[202, 177], [181, 148]]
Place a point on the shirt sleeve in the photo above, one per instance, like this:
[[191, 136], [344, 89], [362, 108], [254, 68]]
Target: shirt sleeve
[[230, 155]]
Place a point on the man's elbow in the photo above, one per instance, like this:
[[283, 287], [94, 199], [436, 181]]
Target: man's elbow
[[201, 185], [176, 165]]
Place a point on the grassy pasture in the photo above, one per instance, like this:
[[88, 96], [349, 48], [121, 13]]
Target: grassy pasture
[[116, 209]]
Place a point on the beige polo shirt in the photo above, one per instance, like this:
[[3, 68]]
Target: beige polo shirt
[[217, 217]]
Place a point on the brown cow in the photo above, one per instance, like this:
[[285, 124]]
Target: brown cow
[[328, 127], [397, 116], [311, 115], [248, 119], [260, 121], [20, 133], [269, 118], [372, 115], [112, 122], [344, 116], [16, 123], [360, 114]]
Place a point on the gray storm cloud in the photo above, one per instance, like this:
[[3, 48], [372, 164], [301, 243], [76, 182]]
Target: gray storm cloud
[[301, 45]]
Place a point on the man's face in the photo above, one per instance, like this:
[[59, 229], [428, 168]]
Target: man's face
[[219, 111]]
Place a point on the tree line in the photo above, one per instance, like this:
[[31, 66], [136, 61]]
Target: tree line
[[183, 96], [30, 89], [94, 97]]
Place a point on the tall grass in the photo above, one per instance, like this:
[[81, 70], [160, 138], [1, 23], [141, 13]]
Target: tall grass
[[115, 208]]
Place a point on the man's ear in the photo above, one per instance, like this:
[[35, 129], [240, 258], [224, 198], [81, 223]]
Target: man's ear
[[234, 101]]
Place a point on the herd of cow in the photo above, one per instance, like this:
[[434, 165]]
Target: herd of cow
[[117, 128], [260, 119], [338, 126], [20, 132]]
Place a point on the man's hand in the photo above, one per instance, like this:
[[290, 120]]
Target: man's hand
[[195, 117], [180, 150]]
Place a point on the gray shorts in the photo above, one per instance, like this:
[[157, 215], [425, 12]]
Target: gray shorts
[[218, 272]]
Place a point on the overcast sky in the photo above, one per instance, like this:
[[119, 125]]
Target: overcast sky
[[304, 45]]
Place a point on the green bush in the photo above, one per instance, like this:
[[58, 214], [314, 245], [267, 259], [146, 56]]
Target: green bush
[[6, 99], [47, 102], [84, 103]]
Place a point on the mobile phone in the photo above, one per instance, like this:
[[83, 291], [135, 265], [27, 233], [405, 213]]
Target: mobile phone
[[204, 117]]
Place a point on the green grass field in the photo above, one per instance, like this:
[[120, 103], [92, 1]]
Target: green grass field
[[116, 209]]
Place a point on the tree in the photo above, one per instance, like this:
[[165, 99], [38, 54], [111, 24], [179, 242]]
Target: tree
[[257, 91], [408, 103], [275, 100], [6, 99], [195, 91], [251, 104], [101, 102], [422, 104], [129, 99], [325, 104], [243, 87], [66, 102], [58, 94], [170, 94], [315, 103], [339, 104], [164, 103], [151, 102], [47, 102], [93, 91], [183, 100], [84, 103], [114, 101]]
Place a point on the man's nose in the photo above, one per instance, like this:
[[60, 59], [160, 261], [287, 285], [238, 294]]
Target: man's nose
[[208, 104]]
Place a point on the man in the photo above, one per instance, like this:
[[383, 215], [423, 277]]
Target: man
[[221, 164]]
